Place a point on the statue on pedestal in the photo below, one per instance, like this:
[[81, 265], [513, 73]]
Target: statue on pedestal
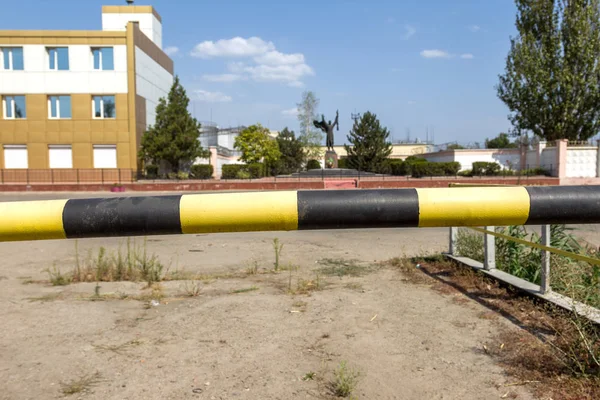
[[327, 128]]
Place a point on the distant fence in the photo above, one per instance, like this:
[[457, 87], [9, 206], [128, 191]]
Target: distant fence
[[67, 176]]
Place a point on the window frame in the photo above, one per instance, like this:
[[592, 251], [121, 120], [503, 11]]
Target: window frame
[[11, 59], [58, 96], [102, 96], [56, 58], [13, 106], [101, 57]]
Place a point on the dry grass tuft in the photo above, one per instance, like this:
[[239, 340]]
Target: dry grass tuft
[[80, 385]]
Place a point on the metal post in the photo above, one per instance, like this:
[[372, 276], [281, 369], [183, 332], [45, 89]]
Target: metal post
[[102, 174], [1, 176], [489, 245], [27, 173], [452, 241], [52, 175], [77, 175], [545, 268]]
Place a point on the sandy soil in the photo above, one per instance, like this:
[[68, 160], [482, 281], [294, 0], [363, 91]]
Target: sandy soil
[[406, 340]]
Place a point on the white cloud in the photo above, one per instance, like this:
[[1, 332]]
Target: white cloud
[[171, 50], [277, 58], [467, 56], [474, 28], [222, 77], [235, 47], [211, 97], [264, 63], [291, 112], [435, 54], [409, 32]]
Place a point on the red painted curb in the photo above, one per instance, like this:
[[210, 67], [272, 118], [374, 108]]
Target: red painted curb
[[274, 185]]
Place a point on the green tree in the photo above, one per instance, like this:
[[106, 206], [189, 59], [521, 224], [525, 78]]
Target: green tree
[[310, 137], [292, 152], [551, 84], [257, 146], [502, 141], [174, 136], [454, 146], [370, 145]]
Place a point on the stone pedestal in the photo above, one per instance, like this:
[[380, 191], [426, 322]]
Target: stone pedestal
[[331, 159]]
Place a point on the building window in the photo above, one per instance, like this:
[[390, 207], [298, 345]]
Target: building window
[[60, 156], [59, 106], [104, 106], [11, 58], [105, 156], [15, 156], [14, 107], [103, 58], [58, 58]]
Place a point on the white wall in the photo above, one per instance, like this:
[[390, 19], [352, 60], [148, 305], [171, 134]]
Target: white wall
[[548, 159], [80, 78], [466, 158], [581, 162], [152, 82], [149, 24], [531, 159]]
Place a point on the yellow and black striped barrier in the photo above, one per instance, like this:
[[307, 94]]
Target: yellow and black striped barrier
[[292, 210]]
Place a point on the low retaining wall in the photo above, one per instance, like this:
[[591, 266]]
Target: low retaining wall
[[275, 185]]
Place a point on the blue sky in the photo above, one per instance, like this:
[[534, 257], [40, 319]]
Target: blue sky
[[416, 64]]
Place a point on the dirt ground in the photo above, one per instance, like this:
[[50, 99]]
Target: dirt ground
[[406, 341], [247, 335]]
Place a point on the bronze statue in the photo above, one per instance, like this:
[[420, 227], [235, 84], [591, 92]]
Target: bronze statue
[[327, 128]]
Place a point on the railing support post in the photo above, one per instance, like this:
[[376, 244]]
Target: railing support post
[[489, 244], [545, 267], [452, 241]]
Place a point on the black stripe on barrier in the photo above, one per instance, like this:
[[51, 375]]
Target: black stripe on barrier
[[563, 204], [124, 216], [334, 209]]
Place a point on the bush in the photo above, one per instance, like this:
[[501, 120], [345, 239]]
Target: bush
[[230, 171], [426, 168], [151, 171], [466, 172], [486, 168], [243, 174], [183, 175], [397, 167], [313, 164], [343, 162], [533, 171], [201, 171], [256, 170]]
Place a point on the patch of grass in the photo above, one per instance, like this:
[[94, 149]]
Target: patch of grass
[[469, 244], [354, 286], [57, 278], [345, 380], [309, 376], [80, 385], [252, 269], [192, 288], [47, 297], [135, 265], [245, 290], [410, 269], [341, 267], [277, 247]]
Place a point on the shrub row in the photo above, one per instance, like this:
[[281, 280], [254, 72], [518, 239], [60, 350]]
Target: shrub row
[[419, 167], [199, 171], [243, 171], [313, 164]]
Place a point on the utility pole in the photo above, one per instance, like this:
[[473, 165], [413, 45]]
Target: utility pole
[[355, 116]]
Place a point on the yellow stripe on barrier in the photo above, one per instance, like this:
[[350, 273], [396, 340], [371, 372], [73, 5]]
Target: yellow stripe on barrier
[[591, 260], [239, 212], [33, 220], [459, 207]]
